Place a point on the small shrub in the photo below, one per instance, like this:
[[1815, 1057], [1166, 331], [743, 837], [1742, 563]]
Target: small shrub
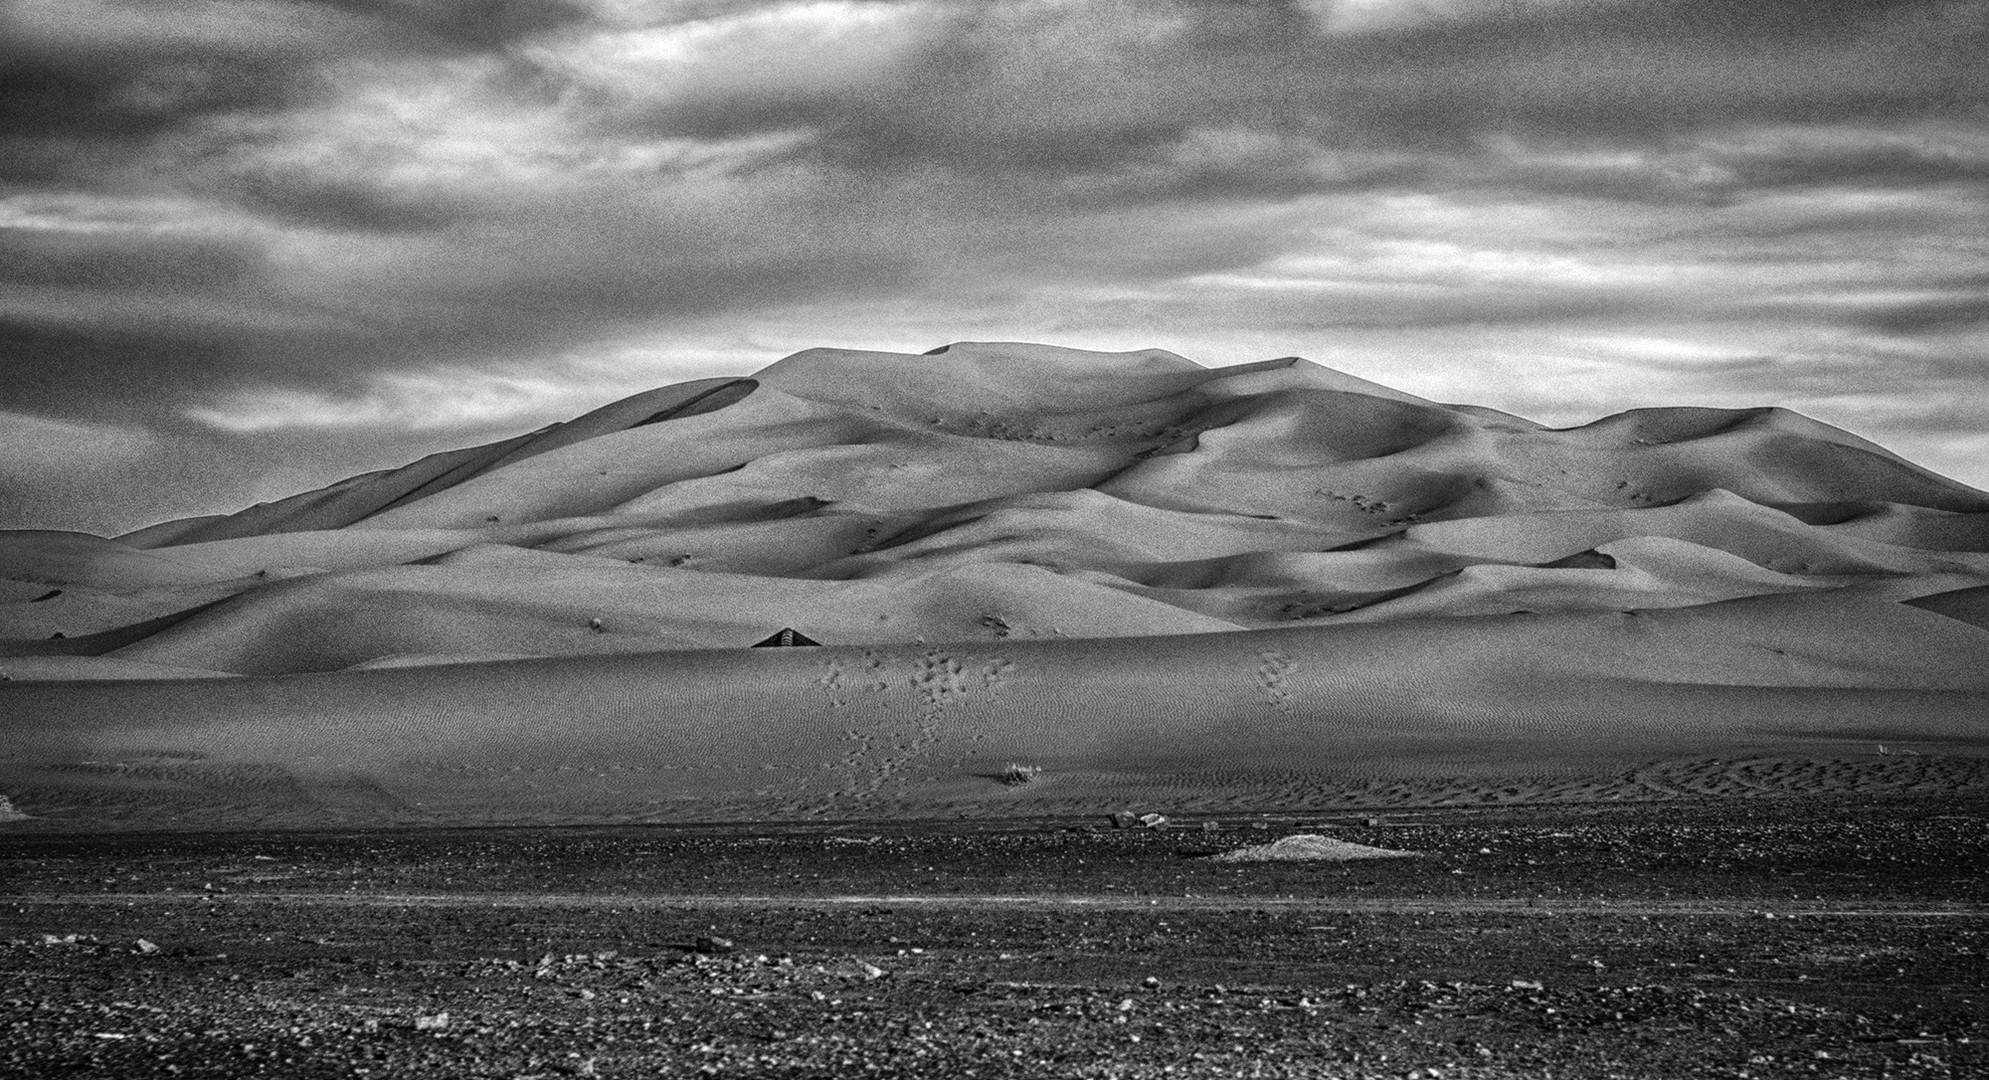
[[1017, 775]]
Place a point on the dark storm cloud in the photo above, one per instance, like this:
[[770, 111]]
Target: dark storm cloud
[[95, 261], [106, 306], [469, 25], [1884, 161], [298, 30], [69, 121], [125, 352], [46, 366], [1006, 90], [77, 79], [1933, 315], [1663, 68], [993, 87], [343, 205]]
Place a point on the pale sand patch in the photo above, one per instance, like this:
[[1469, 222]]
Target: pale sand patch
[[1310, 847]]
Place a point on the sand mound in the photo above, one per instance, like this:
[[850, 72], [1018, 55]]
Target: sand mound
[[994, 491], [1308, 847], [1130, 569]]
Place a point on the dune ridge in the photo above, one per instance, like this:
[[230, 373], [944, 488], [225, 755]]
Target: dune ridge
[[1143, 574]]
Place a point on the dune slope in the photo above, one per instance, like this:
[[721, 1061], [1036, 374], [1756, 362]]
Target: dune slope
[[1141, 574]]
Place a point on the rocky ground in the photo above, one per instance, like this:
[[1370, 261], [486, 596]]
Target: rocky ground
[[1718, 938]]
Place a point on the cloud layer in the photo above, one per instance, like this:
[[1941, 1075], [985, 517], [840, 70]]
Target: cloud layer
[[334, 231]]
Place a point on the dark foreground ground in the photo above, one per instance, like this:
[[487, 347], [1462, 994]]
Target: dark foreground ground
[[1719, 938]]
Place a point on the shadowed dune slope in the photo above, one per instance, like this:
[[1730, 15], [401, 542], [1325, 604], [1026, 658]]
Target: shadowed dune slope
[[1125, 565]]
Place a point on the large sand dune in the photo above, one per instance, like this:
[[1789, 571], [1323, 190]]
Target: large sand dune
[[1272, 584]]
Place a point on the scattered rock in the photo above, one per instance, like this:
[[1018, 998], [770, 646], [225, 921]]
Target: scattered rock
[[1154, 821], [852, 968], [144, 948], [711, 944], [1124, 819]]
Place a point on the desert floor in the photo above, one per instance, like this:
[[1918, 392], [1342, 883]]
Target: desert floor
[[1740, 936]]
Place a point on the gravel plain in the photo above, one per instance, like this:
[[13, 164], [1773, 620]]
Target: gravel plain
[[1719, 938]]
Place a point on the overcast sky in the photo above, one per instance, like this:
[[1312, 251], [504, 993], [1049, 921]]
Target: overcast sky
[[253, 246]]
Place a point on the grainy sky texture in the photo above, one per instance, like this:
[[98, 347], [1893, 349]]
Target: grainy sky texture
[[253, 246]]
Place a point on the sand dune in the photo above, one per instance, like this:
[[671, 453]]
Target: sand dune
[[1458, 709], [1270, 582]]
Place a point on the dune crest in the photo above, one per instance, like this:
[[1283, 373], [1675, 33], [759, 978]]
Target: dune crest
[[989, 528]]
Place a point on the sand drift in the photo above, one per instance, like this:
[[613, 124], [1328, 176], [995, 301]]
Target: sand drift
[[1140, 578]]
